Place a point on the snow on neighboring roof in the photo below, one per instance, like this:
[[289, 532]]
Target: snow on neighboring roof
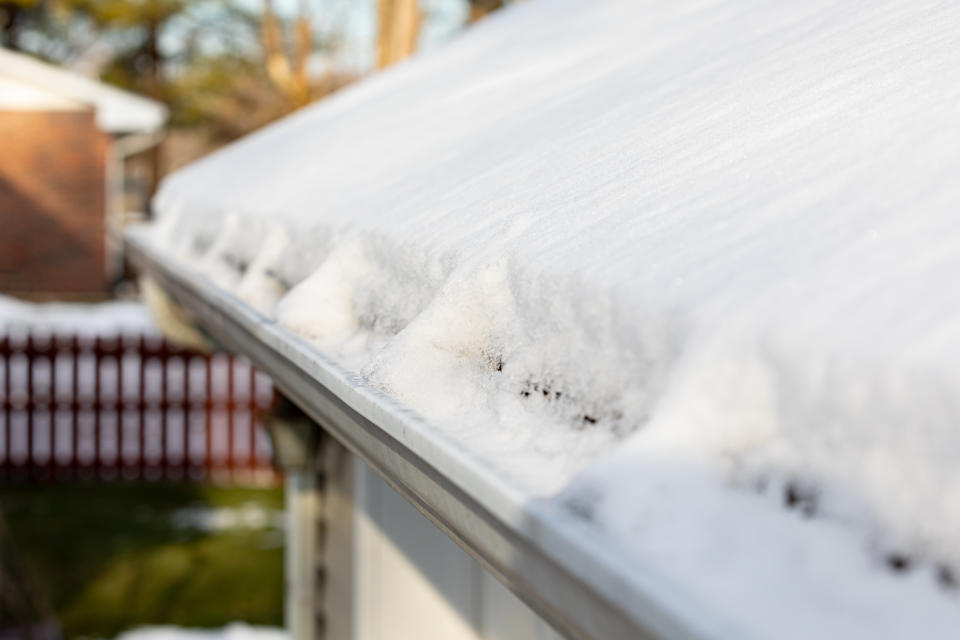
[[96, 318], [117, 111], [686, 267]]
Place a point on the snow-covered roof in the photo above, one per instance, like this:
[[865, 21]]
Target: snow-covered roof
[[684, 269], [27, 82]]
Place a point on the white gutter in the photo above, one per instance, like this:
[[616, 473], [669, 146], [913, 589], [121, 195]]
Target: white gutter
[[561, 565]]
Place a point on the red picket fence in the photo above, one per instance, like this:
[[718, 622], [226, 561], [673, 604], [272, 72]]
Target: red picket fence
[[128, 407]]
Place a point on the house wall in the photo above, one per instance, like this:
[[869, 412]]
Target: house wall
[[392, 575], [52, 203]]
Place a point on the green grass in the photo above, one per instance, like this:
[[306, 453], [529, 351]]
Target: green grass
[[110, 558]]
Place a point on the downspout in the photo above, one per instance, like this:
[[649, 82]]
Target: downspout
[[120, 149], [295, 441]]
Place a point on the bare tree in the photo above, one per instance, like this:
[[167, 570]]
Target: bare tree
[[288, 70], [480, 8], [399, 30]]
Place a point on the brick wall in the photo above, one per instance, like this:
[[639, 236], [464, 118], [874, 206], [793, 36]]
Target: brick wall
[[52, 203]]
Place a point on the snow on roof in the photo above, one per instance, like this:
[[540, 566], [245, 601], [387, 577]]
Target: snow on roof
[[689, 267], [117, 111]]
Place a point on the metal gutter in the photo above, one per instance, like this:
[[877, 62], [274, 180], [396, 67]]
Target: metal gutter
[[562, 566]]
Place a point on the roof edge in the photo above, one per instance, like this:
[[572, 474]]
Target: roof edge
[[565, 570], [117, 111]]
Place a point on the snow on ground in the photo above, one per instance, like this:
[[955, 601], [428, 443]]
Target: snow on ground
[[235, 631], [249, 515], [689, 266], [94, 318]]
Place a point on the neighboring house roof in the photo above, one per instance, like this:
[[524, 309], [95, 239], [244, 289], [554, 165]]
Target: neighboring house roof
[[28, 83]]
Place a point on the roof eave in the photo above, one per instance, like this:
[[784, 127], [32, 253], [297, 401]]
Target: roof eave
[[558, 565], [117, 111]]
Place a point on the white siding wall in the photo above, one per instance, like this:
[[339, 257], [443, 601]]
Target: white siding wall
[[411, 582]]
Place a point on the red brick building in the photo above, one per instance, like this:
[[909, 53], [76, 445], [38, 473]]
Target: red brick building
[[64, 141]]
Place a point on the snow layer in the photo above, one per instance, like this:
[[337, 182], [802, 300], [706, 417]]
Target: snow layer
[[98, 318], [235, 631], [688, 266], [249, 515]]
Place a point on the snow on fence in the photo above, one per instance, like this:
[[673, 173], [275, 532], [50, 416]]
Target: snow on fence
[[127, 406]]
